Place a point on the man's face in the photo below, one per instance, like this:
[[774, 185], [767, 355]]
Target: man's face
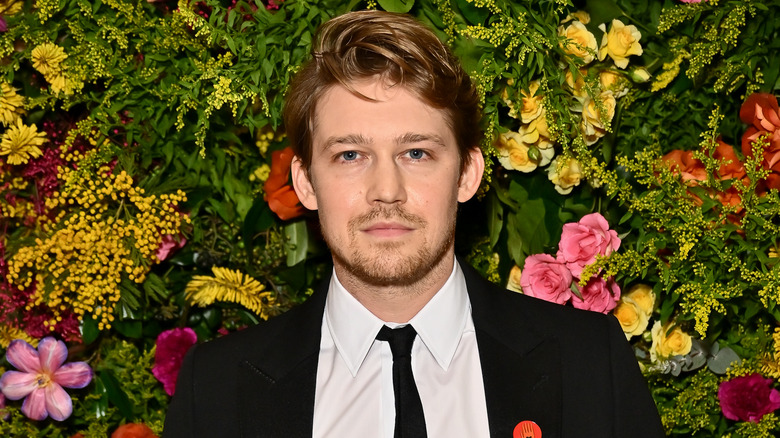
[[385, 177]]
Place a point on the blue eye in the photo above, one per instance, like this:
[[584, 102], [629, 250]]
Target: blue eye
[[417, 154], [349, 155]]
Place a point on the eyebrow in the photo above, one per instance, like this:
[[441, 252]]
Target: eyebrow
[[405, 139]]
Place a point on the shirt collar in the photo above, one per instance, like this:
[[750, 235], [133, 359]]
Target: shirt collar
[[440, 323]]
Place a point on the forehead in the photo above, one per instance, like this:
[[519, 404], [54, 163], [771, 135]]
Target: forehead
[[384, 113]]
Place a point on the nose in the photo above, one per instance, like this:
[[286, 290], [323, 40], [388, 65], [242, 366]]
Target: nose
[[386, 183]]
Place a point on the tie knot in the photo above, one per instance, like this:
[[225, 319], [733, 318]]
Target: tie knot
[[400, 339]]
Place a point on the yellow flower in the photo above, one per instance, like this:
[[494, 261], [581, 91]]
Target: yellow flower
[[565, 175], [613, 81], [620, 42], [532, 103], [60, 83], [578, 41], [10, 104], [10, 7], [514, 280], [593, 121], [632, 319], [643, 296], [577, 86], [20, 142], [668, 342], [514, 153], [640, 75], [230, 286], [47, 58], [634, 310], [582, 16]]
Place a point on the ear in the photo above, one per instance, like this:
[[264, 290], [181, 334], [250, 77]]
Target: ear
[[302, 184], [471, 176]]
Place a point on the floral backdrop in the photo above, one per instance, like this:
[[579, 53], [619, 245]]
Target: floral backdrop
[[633, 168]]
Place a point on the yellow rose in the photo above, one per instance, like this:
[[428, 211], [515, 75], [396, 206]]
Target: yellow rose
[[614, 82], [582, 16], [578, 41], [620, 42], [532, 103], [513, 153], [632, 319], [565, 176], [643, 296], [668, 343], [514, 280], [509, 103], [577, 86], [593, 121], [640, 75]]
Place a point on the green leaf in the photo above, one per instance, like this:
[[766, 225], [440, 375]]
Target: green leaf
[[472, 13], [115, 394], [297, 235], [89, 330], [130, 329], [399, 6], [495, 218]]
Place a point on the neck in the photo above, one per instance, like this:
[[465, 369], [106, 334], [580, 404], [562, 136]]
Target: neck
[[392, 303]]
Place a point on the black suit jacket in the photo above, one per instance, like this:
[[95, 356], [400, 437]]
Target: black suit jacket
[[570, 371]]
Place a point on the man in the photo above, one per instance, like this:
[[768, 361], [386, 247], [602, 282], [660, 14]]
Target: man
[[385, 125]]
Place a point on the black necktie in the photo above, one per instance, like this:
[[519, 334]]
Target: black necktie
[[409, 417]]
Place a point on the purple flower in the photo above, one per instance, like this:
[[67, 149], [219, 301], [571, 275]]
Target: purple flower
[[3, 414], [41, 378], [3, 24], [172, 345], [748, 398]]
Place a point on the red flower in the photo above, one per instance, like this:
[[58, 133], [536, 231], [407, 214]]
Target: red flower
[[172, 345], [280, 196], [133, 430], [748, 398]]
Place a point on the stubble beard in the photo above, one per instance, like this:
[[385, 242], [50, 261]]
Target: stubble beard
[[386, 265]]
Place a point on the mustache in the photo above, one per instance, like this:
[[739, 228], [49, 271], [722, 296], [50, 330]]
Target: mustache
[[395, 213]]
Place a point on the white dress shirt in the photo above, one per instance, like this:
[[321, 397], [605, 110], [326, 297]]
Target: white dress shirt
[[354, 393]]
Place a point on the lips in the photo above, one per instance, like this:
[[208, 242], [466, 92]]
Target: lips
[[387, 229]]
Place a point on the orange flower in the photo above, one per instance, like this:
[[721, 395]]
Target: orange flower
[[683, 163], [734, 169], [133, 430], [279, 194], [761, 110]]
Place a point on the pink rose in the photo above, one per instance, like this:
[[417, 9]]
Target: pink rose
[[582, 241], [546, 278], [172, 345], [748, 398], [598, 295]]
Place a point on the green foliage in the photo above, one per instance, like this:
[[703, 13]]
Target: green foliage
[[188, 96]]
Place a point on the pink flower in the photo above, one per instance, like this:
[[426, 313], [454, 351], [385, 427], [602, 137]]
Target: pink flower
[[168, 245], [546, 278], [41, 378], [748, 398], [582, 241], [172, 345], [598, 295]]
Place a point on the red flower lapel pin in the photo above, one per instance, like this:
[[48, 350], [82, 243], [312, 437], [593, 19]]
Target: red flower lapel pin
[[527, 429]]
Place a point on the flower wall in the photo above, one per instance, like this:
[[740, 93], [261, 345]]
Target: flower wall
[[633, 168]]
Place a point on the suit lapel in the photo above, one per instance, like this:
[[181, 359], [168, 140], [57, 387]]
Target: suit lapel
[[520, 366], [277, 382]]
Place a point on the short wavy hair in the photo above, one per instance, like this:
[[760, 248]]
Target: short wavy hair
[[397, 49]]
